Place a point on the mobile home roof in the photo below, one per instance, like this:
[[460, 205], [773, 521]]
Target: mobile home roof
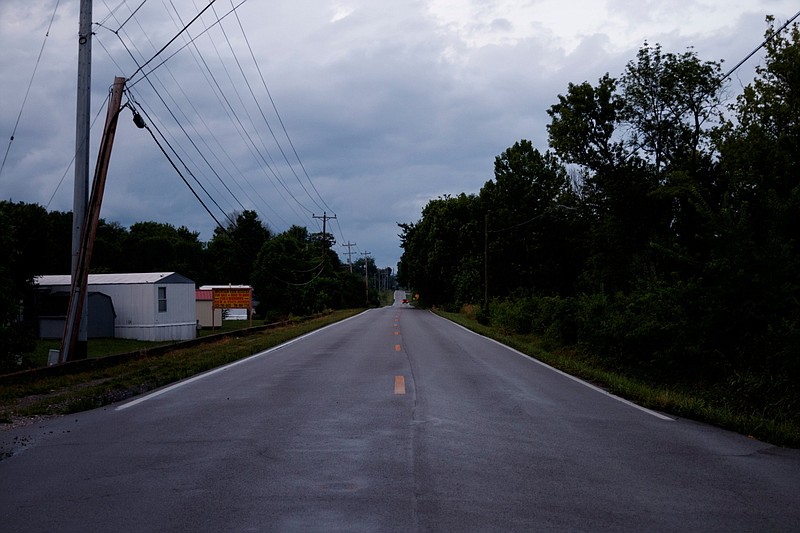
[[117, 279]]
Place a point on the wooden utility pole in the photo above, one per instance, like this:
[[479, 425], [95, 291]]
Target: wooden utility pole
[[325, 219], [82, 126], [78, 296], [486, 262], [349, 254], [366, 274]]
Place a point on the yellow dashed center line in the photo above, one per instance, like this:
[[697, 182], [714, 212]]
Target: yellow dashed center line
[[396, 347], [399, 385]]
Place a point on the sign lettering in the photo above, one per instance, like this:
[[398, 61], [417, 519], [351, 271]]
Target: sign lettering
[[232, 298]]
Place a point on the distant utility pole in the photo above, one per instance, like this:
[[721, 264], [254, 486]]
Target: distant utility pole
[[366, 274], [325, 219], [486, 262], [349, 253], [81, 187]]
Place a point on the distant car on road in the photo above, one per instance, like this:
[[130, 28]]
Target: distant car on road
[[405, 300]]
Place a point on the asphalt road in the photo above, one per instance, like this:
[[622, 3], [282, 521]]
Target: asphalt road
[[394, 420]]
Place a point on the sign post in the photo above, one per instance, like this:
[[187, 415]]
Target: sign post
[[233, 298]]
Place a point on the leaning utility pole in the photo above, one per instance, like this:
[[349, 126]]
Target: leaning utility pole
[[78, 296], [81, 187]]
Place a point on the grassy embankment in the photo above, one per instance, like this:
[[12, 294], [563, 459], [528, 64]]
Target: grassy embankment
[[94, 387], [103, 347], [712, 406]]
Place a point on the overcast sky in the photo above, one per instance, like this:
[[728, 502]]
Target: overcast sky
[[388, 104]]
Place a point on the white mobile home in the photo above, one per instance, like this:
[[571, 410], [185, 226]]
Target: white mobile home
[[156, 306]]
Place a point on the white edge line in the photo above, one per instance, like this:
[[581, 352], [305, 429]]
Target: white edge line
[[198, 377], [573, 378]]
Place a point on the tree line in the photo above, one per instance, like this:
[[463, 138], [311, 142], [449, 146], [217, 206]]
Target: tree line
[[660, 233], [295, 272]]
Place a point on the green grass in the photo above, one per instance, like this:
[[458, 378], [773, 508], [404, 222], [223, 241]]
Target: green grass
[[386, 297], [706, 405], [94, 348], [91, 388], [228, 326], [103, 347]]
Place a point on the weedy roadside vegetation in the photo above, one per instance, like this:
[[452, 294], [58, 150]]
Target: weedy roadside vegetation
[[722, 404], [29, 395]]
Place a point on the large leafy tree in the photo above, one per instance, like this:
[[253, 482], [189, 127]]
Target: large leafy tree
[[642, 146], [614, 212], [525, 210], [40, 242], [757, 251], [583, 126], [17, 270], [232, 251], [109, 254], [158, 246], [292, 276], [667, 102], [442, 252]]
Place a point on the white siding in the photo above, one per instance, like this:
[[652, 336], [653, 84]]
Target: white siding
[[140, 319], [136, 305], [204, 314]]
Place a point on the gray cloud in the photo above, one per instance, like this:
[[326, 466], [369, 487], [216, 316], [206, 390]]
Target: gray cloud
[[387, 104]]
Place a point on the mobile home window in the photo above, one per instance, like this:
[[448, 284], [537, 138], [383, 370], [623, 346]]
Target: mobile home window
[[162, 299]]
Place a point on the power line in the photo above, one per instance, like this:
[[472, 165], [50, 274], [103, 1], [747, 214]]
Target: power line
[[759, 47], [212, 160], [69, 166], [28, 90], [233, 115], [149, 81], [182, 47], [174, 166], [111, 11], [277, 114], [273, 168], [210, 131], [130, 16], [186, 27], [178, 122]]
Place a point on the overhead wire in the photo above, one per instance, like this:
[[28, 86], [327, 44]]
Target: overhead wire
[[182, 47], [134, 102], [258, 106], [759, 47], [30, 84], [271, 167], [155, 131], [111, 12], [215, 138], [275, 108], [242, 128], [127, 49], [130, 16], [218, 22], [192, 174], [229, 107], [72, 161], [178, 122], [185, 28]]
